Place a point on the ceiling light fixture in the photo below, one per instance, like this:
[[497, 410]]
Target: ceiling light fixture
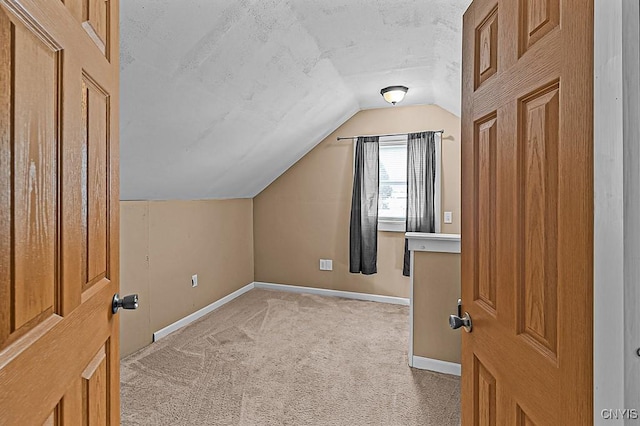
[[394, 94]]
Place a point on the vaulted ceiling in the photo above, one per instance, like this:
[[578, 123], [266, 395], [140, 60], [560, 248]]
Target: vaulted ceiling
[[220, 97]]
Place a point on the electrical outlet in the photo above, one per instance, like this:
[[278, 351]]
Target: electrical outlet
[[194, 280], [447, 217], [326, 265]]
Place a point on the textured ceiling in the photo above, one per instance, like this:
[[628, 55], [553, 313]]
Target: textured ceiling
[[220, 97]]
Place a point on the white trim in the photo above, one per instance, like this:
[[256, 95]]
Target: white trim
[[392, 225], [393, 140], [437, 203], [442, 243], [200, 313], [279, 287], [436, 365], [609, 186], [333, 293], [411, 263], [631, 161]]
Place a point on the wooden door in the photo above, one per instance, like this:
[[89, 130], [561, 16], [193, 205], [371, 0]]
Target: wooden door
[[527, 184], [58, 212]]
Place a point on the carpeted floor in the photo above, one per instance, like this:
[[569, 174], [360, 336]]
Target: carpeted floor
[[276, 358]]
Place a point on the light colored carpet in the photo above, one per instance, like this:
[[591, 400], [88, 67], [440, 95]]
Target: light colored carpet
[[276, 358]]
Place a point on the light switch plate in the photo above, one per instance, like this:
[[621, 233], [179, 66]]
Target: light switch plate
[[194, 280], [447, 217]]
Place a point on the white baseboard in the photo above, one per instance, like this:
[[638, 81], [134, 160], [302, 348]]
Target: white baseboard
[[436, 365], [270, 286], [333, 293], [200, 313]]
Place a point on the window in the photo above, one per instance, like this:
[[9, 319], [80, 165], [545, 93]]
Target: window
[[392, 193]]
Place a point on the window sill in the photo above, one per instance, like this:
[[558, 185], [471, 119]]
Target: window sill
[[391, 226]]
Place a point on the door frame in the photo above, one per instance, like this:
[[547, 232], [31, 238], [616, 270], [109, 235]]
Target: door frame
[[616, 206], [631, 127]]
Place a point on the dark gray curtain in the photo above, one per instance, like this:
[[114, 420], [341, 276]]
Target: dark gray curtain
[[421, 180], [363, 232]]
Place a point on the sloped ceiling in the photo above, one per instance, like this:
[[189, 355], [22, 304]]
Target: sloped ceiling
[[220, 97]]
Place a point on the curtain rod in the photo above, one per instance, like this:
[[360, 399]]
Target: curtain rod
[[393, 134]]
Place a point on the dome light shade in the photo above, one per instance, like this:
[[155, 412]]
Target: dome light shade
[[394, 94]]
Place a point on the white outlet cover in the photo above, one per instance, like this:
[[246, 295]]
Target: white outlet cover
[[326, 265], [194, 280]]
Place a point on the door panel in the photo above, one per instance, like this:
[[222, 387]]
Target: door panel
[[527, 199], [52, 419], [487, 48], [95, 20], [537, 18], [95, 102], [94, 390], [537, 294], [484, 283], [58, 214], [485, 398], [30, 215]]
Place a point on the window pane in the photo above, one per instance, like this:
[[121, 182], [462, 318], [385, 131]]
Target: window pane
[[392, 202]]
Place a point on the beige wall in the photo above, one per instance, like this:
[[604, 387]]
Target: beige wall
[[135, 326], [303, 216], [163, 243], [300, 218], [436, 289]]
